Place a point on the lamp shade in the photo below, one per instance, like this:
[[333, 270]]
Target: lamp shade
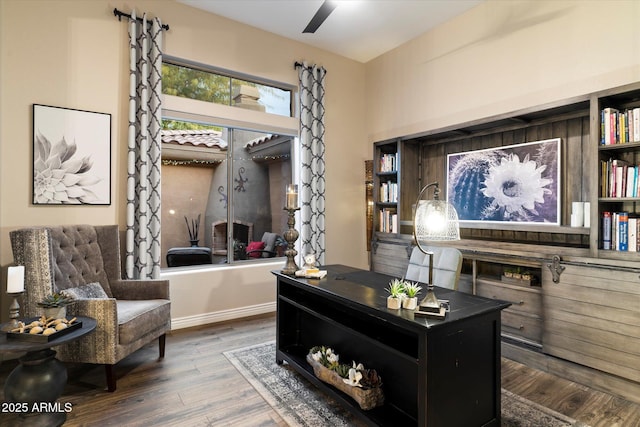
[[436, 221]]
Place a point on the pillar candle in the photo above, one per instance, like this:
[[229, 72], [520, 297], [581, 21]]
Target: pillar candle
[[15, 279], [292, 196]]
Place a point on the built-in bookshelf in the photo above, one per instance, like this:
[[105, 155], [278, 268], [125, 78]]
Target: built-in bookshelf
[[387, 165], [619, 170]]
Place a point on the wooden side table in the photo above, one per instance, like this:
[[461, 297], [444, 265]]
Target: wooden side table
[[35, 385]]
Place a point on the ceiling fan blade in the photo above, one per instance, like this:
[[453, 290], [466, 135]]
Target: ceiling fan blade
[[323, 12]]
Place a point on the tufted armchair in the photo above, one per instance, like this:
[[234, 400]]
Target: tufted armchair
[[130, 315]]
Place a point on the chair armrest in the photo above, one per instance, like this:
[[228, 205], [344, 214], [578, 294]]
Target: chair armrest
[[100, 345], [140, 289]]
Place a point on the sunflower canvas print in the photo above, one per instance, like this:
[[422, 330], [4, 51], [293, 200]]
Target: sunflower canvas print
[[511, 184], [71, 156]]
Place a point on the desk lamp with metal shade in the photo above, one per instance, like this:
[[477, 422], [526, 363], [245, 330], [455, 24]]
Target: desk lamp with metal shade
[[434, 221]]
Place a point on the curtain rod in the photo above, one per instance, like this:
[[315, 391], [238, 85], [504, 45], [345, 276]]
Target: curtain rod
[[120, 14]]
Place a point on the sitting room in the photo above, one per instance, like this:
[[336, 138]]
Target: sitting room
[[221, 200]]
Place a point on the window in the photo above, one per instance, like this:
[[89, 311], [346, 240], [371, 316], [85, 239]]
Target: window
[[225, 175], [194, 83]]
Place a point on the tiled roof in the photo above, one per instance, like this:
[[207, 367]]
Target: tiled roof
[[263, 139], [207, 138]]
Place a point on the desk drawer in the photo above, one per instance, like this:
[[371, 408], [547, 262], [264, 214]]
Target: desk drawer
[[522, 325], [525, 300]]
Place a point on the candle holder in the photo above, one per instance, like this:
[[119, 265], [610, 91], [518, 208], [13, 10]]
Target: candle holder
[[291, 235], [14, 313]]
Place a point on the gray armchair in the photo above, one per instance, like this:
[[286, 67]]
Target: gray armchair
[[130, 315]]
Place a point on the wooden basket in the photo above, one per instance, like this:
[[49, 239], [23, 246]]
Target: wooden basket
[[366, 398]]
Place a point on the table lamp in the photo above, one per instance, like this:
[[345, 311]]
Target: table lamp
[[434, 221]]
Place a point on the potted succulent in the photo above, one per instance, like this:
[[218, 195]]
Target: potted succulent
[[411, 290], [55, 305], [396, 293]]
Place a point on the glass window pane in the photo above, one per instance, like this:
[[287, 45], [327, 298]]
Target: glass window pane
[[194, 161], [261, 170], [255, 96], [195, 84]]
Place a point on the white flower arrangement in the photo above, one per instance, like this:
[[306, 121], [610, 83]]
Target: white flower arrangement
[[355, 375]]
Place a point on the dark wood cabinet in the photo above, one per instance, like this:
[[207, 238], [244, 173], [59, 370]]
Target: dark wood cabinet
[[430, 367]]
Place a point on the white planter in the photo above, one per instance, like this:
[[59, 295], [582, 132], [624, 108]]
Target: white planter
[[394, 303], [410, 303], [56, 312]]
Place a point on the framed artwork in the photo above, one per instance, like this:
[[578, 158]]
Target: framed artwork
[[514, 184], [71, 156]]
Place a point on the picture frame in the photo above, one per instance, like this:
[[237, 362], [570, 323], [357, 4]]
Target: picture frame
[[71, 156], [513, 184]]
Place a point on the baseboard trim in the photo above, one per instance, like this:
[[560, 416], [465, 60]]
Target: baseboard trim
[[221, 316]]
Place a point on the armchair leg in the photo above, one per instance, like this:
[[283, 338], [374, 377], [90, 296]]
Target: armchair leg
[[111, 378], [161, 343]]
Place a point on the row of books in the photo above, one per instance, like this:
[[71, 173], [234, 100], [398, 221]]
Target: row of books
[[388, 220], [619, 127], [389, 192], [618, 178], [620, 232], [389, 162]]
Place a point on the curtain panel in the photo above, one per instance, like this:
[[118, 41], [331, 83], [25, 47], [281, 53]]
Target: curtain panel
[[142, 258], [312, 192]]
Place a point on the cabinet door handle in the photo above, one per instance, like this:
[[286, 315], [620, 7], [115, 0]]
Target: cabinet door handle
[[521, 327]]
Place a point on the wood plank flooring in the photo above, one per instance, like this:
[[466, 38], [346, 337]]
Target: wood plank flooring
[[195, 385]]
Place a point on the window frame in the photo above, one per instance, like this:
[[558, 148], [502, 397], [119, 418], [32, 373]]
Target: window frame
[[237, 76], [234, 118]]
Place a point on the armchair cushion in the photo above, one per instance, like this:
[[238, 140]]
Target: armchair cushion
[[90, 290], [269, 240], [255, 246], [140, 317]]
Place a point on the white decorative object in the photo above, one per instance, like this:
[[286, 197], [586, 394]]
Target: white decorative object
[[587, 214], [15, 279], [410, 303], [577, 214], [394, 302]]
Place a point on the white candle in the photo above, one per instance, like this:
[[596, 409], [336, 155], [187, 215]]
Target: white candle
[[15, 279], [292, 196]]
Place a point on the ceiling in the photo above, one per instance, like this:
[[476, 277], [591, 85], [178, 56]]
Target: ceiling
[[357, 29]]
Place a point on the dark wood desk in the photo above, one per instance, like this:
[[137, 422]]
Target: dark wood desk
[[39, 380], [435, 372]]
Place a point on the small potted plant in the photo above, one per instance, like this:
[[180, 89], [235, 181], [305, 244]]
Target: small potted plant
[[281, 245], [55, 305], [396, 294], [517, 273], [411, 289]]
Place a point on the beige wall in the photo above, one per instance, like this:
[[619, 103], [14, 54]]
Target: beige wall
[[74, 54], [498, 57], [502, 56]]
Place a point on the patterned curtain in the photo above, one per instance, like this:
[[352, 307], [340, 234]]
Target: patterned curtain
[[143, 161], [312, 212]]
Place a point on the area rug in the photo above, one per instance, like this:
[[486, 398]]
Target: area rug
[[300, 403]]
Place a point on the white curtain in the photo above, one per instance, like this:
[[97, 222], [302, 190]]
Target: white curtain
[[143, 161], [312, 212]]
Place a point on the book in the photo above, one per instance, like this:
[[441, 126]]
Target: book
[[623, 231], [606, 230], [633, 234]]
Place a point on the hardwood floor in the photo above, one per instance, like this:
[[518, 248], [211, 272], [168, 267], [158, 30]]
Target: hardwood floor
[[195, 385]]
